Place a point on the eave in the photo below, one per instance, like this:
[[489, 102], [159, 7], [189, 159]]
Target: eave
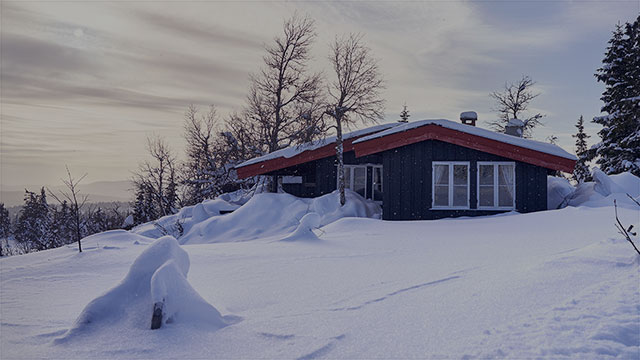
[[435, 132]]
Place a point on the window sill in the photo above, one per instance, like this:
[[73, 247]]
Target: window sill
[[451, 208], [496, 208]]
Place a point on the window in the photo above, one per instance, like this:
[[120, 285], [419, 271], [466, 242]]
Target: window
[[377, 183], [365, 179], [496, 185], [451, 185], [355, 178]]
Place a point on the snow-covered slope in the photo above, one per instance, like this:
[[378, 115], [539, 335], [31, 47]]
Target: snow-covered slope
[[555, 284]]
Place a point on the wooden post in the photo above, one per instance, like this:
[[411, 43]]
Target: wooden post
[[156, 319]]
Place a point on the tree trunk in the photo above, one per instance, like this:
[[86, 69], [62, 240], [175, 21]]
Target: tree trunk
[[339, 155], [78, 228]]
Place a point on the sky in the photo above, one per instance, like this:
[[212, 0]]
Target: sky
[[84, 83]]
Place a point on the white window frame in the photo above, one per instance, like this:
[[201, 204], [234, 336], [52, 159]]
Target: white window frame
[[495, 185], [373, 170], [450, 195]]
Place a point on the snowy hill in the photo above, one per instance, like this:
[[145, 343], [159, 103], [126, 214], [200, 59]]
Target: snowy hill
[[554, 284]]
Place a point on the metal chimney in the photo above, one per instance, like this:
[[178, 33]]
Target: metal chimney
[[515, 127], [469, 118]]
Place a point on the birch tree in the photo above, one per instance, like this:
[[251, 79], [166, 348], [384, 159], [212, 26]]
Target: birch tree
[[354, 93], [284, 90]]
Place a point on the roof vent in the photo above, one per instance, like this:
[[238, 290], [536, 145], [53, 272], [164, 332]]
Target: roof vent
[[515, 127], [469, 118]]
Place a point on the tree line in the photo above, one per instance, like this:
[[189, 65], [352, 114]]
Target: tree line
[[41, 225]]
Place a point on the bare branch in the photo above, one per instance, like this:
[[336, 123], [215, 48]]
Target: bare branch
[[513, 102], [624, 232]]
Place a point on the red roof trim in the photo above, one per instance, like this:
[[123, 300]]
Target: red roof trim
[[270, 165], [435, 132]]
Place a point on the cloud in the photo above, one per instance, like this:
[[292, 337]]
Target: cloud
[[92, 79], [195, 31]]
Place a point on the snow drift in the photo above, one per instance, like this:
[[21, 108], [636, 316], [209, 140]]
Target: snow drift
[[270, 214], [304, 231], [184, 219], [597, 193], [158, 275]]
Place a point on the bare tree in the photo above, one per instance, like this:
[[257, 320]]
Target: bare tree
[[212, 151], [76, 200], [512, 102], [159, 176], [355, 92], [283, 96]]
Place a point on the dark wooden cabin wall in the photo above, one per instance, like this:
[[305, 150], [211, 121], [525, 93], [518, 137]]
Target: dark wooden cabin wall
[[322, 173], [407, 181]]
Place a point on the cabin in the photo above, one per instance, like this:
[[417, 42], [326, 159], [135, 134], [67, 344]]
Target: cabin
[[426, 169]]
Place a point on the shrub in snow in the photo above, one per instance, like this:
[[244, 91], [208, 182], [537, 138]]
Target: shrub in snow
[[157, 275], [304, 231]]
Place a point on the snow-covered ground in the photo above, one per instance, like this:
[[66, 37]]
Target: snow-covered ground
[[554, 284]]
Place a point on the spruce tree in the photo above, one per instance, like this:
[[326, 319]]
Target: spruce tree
[[34, 223], [581, 172], [5, 229], [5, 222], [404, 115], [619, 150], [139, 216]]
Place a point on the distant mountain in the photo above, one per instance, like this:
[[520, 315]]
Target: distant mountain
[[100, 191]]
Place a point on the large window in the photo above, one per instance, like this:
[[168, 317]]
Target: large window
[[450, 185], [496, 185], [358, 179], [355, 178]]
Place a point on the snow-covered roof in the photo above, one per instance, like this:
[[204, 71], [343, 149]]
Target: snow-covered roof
[[292, 151], [453, 125]]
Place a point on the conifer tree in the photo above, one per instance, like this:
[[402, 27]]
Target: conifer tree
[[5, 228], [581, 172], [404, 115], [33, 226], [5, 222], [619, 150]]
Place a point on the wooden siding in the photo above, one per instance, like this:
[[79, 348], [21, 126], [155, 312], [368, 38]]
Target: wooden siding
[[407, 178], [319, 177]]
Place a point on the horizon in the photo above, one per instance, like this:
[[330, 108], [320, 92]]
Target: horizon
[[84, 84]]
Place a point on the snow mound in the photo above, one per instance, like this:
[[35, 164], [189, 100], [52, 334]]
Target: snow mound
[[157, 275], [183, 220], [304, 231], [271, 214], [558, 189], [598, 193]]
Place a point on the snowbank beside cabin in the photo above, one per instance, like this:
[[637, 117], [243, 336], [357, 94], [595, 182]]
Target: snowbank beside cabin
[[270, 214], [157, 276], [597, 193], [183, 220]]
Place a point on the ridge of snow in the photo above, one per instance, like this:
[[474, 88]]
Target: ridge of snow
[[294, 150], [524, 143]]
